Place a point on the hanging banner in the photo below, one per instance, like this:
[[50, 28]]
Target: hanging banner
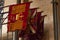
[[35, 22], [40, 22], [33, 12], [32, 16], [30, 27], [17, 18]]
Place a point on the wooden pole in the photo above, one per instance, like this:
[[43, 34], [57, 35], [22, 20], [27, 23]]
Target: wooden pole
[[16, 35], [24, 38], [16, 32]]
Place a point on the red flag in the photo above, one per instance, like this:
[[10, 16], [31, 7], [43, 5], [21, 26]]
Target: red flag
[[35, 22], [33, 19], [38, 18], [17, 18], [31, 12], [40, 23]]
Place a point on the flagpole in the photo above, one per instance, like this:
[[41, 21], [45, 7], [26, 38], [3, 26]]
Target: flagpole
[[15, 34], [24, 1]]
